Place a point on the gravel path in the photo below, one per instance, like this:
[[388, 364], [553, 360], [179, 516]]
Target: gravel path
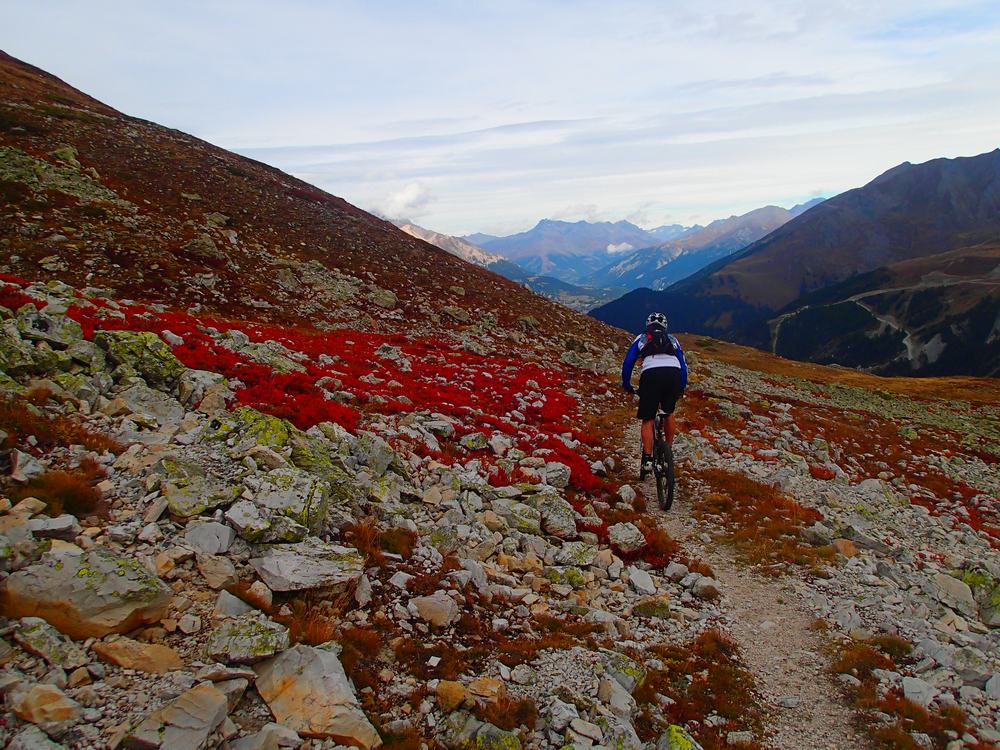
[[804, 705]]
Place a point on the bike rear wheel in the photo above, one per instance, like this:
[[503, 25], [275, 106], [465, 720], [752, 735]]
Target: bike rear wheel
[[663, 468]]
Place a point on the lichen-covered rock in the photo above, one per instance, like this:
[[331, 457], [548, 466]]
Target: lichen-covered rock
[[626, 537], [556, 474], [475, 441], [628, 672], [183, 724], [37, 637], [579, 554], [308, 565], [58, 331], [144, 352], [246, 640], [17, 356], [296, 494], [558, 517], [193, 384], [383, 298], [191, 488], [307, 690], [677, 738], [85, 595]]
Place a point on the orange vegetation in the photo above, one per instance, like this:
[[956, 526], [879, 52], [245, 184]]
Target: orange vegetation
[[700, 678], [763, 524]]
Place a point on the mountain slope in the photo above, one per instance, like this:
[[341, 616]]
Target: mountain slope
[[910, 212], [570, 250], [454, 245], [96, 197], [659, 267]]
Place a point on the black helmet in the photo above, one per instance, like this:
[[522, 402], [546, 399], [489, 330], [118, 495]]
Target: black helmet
[[657, 319]]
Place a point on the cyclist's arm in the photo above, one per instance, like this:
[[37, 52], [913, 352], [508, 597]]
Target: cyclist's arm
[[629, 364], [684, 367]]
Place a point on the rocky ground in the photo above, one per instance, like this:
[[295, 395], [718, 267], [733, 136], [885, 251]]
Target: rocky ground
[[221, 533]]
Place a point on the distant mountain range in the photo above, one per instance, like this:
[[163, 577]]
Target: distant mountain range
[[691, 250], [897, 276], [570, 251], [573, 296]]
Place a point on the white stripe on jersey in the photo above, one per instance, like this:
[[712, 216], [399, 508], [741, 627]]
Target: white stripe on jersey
[[657, 360]]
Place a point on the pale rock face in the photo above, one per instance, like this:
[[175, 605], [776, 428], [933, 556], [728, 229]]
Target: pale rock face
[[307, 691], [246, 640], [626, 537], [153, 658], [44, 704], [91, 594], [183, 724], [438, 609], [307, 565]]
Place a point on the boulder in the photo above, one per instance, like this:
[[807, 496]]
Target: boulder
[[439, 609], [556, 474], [58, 331], [218, 572], [212, 538], [32, 738], [87, 595], [37, 637], [309, 564], [144, 352], [44, 704], [579, 554], [183, 724], [626, 537], [955, 594], [246, 640], [296, 494], [307, 691], [918, 691], [153, 658], [558, 517], [64, 527], [156, 405], [191, 488], [641, 581]]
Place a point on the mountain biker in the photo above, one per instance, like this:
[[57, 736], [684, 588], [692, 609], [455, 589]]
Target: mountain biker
[[662, 381]]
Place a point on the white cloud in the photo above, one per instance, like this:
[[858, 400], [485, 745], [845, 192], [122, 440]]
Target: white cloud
[[409, 202], [621, 247]]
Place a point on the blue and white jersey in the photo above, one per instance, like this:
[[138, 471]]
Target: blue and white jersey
[[656, 360]]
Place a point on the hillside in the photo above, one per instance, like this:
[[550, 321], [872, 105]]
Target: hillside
[[570, 250], [95, 197], [667, 263], [910, 212]]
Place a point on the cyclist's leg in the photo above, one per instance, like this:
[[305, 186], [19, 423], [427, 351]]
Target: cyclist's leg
[[668, 401], [648, 401], [647, 437]]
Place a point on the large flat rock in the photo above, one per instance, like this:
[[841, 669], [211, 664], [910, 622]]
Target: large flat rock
[[307, 690], [87, 595]]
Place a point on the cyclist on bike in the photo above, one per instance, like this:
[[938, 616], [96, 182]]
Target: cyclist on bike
[[662, 382]]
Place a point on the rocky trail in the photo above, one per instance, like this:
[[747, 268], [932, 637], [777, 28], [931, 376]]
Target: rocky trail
[[785, 653]]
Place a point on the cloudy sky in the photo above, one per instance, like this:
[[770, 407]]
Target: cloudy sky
[[486, 116]]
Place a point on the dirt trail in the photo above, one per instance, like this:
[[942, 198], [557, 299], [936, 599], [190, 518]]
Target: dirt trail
[[804, 705]]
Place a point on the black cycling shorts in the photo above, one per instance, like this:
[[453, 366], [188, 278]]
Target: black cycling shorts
[[659, 388]]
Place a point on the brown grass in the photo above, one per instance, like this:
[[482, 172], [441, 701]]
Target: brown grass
[[508, 713], [982, 390], [71, 491], [700, 677], [762, 524], [21, 419]]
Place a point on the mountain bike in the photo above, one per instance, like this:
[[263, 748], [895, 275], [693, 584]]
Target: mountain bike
[[663, 464]]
